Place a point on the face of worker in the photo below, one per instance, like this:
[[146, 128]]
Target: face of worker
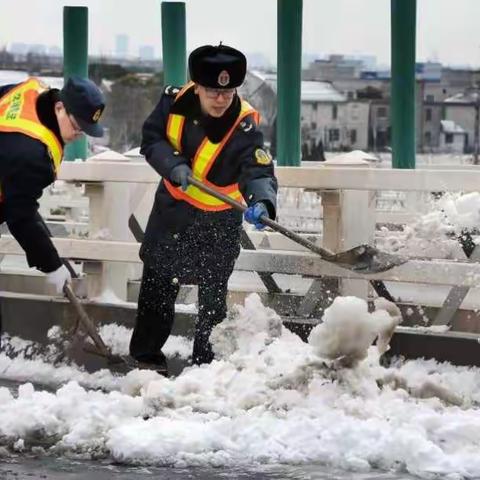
[[214, 101], [69, 129]]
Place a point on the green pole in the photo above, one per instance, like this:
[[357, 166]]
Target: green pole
[[289, 70], [403, 18], [174, 43], [75, 62]]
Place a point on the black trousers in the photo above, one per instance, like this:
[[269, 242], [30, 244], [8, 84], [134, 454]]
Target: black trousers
[[204, 254]]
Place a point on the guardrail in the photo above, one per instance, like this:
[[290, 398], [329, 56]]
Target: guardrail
[[116, 188]]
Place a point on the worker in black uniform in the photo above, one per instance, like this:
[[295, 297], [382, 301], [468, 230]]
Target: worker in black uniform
[[35, 123], [207, 131]]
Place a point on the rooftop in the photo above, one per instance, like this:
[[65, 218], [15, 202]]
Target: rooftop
[[311, 91]]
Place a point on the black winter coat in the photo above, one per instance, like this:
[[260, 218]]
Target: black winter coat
[[236, 163], [25, 170]]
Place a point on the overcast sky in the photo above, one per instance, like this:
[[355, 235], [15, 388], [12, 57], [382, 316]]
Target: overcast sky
[[447, 30]]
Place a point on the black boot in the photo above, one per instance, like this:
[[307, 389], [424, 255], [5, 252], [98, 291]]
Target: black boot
[[157, 364]]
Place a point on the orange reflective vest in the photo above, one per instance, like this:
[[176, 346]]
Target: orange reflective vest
[[18, 113], [203, 160]]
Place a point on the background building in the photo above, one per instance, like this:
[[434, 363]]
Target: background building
[[121, 46]]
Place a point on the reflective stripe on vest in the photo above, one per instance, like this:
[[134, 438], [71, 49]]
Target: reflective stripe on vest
[[18, 113], [203, 161]]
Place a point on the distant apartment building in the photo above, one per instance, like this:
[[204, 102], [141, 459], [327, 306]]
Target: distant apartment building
[[444, 112], [336, 67], [20, 51], [55, 51], [430, 126], [346, 107], [447, 116], [121, 45], [453, 138], [328, 116], [463, 110], [17, 48], [146, 52], [260, 89], [329, 119]]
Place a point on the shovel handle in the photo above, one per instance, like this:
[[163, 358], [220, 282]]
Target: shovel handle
[[323, 252], [99, 348], [85, 321]]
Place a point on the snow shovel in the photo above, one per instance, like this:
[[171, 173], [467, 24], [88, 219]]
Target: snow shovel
[[78, 342], [99, 345], [88, 326], [363, 258]]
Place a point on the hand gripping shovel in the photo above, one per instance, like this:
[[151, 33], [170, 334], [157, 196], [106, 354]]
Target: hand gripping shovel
[[363, 259]]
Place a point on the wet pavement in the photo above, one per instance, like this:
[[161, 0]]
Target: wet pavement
[[64, 469]]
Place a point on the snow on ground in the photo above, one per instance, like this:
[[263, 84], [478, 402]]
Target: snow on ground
[[117, 337], [269, 398], [35, 365]]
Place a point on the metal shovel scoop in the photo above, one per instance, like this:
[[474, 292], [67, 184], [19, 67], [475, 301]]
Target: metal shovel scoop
[[99, 347]]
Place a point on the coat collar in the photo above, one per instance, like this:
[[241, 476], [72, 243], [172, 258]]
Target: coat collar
[[46, 111], [188, 105]]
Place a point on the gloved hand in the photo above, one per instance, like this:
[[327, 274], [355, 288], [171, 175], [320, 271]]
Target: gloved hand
[[180, 174], [58, 278], [254, 212]]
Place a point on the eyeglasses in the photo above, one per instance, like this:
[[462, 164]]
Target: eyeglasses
[[76, 127], [227, 93]]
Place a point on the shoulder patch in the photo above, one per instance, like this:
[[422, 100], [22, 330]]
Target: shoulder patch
[[262, 157], [171, 90], [246, 126]]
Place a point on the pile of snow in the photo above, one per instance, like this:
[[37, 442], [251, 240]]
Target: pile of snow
[[108, 155], [269, 398], [358, 157], [24, 360], [348, 329], [461, 211], [435, 233], [117, 337]]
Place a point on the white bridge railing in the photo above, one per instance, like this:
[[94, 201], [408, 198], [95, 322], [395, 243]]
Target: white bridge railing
[[116, 188]]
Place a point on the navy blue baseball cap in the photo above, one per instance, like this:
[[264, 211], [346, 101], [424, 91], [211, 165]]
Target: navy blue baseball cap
[[84, 100]]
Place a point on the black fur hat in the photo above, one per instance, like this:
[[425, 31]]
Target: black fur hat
[[217, 66]]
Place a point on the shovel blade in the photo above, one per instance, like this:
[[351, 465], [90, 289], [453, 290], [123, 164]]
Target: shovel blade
[[367, 259], [111, 358]]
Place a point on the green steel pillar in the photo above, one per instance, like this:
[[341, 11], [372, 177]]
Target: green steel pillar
[[75, 61], [403, 18], [289, 71], [174, 43]]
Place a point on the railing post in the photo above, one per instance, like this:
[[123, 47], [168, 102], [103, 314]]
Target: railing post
[[109, 211], [95, 270], [348, 221]]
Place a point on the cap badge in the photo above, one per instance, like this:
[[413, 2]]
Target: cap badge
[[223, 78], [97, 115]]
